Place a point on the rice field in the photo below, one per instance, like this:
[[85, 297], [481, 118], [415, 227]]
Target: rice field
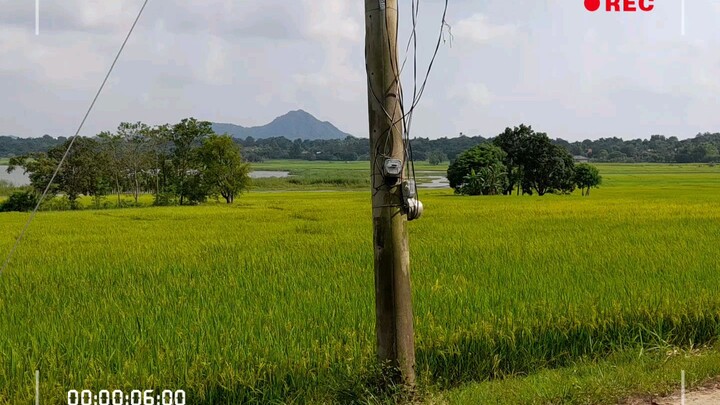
[[270, 300]]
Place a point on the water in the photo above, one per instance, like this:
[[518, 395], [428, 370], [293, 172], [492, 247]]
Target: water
[[19, 179], [436, 181], [16, 177]]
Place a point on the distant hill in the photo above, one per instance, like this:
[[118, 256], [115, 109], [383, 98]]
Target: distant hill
[[293, 125], [13, 146]]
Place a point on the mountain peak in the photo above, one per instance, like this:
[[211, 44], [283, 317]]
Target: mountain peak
[[299, 112], [296, 124]]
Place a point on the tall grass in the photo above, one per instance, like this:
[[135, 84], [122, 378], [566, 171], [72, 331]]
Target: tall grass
[[6, 188], [271, 299]]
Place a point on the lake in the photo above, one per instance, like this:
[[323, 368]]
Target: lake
[[17, 177]]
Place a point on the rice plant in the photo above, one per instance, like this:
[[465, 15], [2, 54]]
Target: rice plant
[[270, 299]]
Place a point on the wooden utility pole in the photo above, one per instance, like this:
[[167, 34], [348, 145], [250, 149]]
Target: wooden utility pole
[[393, 298]]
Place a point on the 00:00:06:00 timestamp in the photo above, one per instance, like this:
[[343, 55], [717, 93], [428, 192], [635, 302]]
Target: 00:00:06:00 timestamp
[[117, 397]]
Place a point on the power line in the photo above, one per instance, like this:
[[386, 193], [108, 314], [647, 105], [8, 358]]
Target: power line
[[418, 93], [72, 141], [407, 115]]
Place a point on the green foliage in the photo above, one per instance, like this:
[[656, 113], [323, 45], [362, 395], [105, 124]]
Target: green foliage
[[480, 156], [58, 203], [548, 168], [528, 159], [621, 378], [6, 188], [587, 177], [11, 146], [514, 143], [186, 138], [270, 300], [223, 167], [82, 173], [488, 180], [130, 154], [172, 162], [20, 201], [703, 148], [436, 157], [165, 199]]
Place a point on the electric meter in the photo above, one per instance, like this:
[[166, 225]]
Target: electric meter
[[392, 168]]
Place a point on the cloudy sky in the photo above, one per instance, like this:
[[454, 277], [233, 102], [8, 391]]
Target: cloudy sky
[[548, 63]]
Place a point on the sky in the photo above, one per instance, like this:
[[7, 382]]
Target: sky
[[547, 63]]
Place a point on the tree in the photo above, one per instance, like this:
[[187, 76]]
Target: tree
[[587, 177], [161, 156], [186, 137], [84, 171], [39, 168], [113, 150], [137, 157], [223, 168], [547, 167], [514, 143], [436, 157], [481, 156]]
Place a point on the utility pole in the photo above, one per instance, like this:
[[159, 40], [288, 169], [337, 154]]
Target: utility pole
[[393, 298]]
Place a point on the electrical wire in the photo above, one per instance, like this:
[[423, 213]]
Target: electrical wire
[[72, 142], [381, 151], [418, 93]]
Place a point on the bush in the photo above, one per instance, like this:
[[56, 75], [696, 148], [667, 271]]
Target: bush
[[165, 199], [58, 203], [20, 201], [486, 181], [476, 158], [6, 188]]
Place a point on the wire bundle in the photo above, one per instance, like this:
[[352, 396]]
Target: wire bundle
[[381, 152]]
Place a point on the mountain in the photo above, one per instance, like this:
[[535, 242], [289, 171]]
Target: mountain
[[293, 125]]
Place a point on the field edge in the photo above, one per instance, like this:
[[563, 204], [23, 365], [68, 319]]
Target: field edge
[[629, 377]]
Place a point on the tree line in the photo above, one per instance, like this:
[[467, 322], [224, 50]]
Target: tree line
[[704, 148], [184, 163], [520, 160]]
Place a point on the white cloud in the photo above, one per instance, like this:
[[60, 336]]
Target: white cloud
[[570, 72], [217, 68], [471, 93], [477, 28], [104, 14], [57, 61], [336, 27]]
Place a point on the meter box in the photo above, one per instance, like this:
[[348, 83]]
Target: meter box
[[393, 168]]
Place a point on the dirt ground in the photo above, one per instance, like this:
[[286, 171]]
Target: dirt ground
[[708, 394]]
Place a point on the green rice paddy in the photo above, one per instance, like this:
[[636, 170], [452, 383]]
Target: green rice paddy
[[270, 300]]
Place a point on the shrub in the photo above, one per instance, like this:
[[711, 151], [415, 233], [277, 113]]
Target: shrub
[[58, 203], [481, 156], [6, 188], [20, 201]]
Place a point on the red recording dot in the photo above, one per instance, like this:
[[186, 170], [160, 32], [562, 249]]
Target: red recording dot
[[592, 5]]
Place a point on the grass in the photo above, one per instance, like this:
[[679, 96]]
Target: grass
[[300, 165], [6, 188], [271, 299], [622, 376], [325, 175]]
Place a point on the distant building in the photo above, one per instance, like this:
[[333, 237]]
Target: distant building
[[581, 159]]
